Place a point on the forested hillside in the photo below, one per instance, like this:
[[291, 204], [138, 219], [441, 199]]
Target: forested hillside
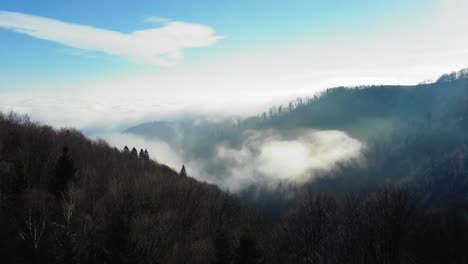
[[67, 199], [415, 137], [376, 108]]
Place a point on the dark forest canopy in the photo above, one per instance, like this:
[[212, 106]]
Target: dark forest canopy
[[67, 199]]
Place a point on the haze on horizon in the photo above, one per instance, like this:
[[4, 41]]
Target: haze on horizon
[[88, 68]]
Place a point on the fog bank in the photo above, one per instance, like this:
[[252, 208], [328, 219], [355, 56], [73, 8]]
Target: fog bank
[[263, 157]]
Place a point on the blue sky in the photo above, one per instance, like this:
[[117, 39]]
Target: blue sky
[[246, 25], [245, 54]]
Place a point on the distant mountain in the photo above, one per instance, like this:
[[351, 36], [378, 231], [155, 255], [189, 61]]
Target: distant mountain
[[407, 129], [366, 111]]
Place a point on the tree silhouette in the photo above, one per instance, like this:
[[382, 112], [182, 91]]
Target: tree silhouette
[[134, 152], [183, 172]]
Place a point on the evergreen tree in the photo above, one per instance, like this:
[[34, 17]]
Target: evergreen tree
[[183, 172], [147, 157], [126, 150], [142, 154], [134, 152]]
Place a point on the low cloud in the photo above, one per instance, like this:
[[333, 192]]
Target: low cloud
[[159, 46], [266, 158]]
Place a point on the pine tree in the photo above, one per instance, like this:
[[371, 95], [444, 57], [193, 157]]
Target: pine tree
[[126, 150], [134, 152], [142, 154], [147, 154], [183, 172]]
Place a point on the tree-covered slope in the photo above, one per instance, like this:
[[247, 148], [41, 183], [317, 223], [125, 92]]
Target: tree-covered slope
[[67, 199]]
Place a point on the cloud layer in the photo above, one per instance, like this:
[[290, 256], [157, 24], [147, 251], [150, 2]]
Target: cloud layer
[[159, 46], [422, 45]]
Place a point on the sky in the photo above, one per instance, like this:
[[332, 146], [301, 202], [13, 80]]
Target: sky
[[109, 64]]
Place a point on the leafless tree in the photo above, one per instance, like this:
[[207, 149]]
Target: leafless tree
[[36, 217]]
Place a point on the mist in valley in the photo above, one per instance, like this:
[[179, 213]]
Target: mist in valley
[[262, 158]]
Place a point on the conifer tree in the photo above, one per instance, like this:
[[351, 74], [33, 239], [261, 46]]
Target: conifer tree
[[134, 152], [126, 150], [183, 172]]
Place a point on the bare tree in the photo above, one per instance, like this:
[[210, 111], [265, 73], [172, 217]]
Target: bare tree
[[36, 217]]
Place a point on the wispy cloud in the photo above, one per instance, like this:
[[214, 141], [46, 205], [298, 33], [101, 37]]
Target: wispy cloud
[[158, 46], [156, 20]]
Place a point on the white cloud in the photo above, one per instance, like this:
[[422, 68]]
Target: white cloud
[[160, 46]]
